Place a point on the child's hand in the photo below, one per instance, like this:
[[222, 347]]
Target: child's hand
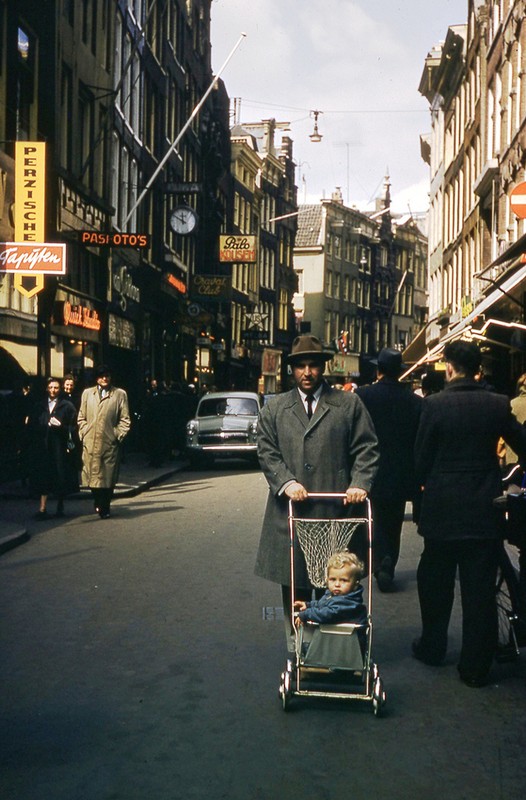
[[297, 622], [300, 605]]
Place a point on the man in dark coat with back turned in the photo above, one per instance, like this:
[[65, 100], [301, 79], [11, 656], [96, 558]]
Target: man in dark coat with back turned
[[456, 462], [395, 411]]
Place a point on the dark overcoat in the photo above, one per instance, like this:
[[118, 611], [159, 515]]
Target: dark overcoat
[[395, 410], [52, 468], [457, 463], [334, 450]]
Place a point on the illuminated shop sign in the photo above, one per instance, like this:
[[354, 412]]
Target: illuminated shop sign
[[82, 316], [114, 239], [176, 283]]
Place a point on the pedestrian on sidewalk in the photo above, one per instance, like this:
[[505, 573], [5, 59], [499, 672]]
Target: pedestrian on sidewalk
[[457, 464], [51, 424], [104, 422], [395, 411], [310, 439]]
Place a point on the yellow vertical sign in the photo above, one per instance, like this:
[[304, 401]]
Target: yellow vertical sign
[[30, 203]]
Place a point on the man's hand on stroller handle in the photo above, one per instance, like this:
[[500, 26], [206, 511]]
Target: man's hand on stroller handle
[[354, 495], [297, 492]]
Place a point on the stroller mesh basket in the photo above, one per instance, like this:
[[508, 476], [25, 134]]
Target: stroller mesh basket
[[321, 538]]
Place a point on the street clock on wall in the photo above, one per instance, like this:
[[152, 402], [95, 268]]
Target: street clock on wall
[[183, 220]]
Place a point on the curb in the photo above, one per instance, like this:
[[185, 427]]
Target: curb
[[17, 535]]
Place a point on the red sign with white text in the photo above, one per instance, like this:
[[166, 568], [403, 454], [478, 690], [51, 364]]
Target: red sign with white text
[[33, 258]]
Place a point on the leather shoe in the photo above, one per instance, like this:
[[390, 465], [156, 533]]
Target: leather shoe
[[104, 514], [41, 515], [421, 655], [474, 681], [384, 580]]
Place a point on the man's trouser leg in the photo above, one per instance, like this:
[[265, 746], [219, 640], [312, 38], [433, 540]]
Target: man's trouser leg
[[478, 560], [388, 518], [436, 591]]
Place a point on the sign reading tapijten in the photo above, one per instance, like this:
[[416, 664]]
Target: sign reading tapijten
[[238, 248], [33, 258]]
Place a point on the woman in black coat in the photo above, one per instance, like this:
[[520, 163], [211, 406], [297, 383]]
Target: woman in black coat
[[51, 425]]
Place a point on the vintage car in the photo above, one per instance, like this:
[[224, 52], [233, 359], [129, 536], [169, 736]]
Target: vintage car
[[225, 426]]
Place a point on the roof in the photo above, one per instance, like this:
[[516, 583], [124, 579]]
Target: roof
[[309, 225]]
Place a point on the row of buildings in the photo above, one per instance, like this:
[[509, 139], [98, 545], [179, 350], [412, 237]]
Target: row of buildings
[[188, 257], [109, 85], [476, 151]]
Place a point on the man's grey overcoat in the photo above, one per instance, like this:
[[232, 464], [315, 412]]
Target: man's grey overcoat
[[336, 449], [103, 425]]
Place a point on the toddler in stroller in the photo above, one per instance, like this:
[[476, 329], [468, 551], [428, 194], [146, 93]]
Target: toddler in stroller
[[343, 599]]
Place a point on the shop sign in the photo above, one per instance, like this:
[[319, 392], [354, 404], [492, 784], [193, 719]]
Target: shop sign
[[343, 365], [174, 282], [121, 332], [124, 287], [254, 334], [30, 258], [30, 210], [271, 362], [82, 316], [238, 248], [212, 287], [102, 239]]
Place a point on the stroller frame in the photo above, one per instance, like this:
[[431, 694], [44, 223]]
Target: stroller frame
[[298, 673]]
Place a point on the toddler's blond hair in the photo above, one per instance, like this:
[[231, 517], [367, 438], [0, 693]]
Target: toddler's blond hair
[[346, 559]]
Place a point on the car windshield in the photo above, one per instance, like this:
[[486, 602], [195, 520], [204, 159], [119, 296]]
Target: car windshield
[[222, 406]]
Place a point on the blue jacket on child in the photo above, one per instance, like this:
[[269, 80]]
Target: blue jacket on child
[[336, 608]]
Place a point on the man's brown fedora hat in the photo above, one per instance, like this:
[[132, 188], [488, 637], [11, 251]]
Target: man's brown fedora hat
[[307, 346]]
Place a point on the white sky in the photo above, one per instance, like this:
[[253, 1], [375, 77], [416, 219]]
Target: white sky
[[357, 61]]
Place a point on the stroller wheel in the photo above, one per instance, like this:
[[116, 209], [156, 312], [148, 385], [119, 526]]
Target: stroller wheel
[[379, 696], [285, 689]]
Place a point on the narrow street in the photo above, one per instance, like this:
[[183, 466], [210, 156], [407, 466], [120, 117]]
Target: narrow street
[[141, 661]]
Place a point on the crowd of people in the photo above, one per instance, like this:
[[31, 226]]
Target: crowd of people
[[439, 450], [442, 449]]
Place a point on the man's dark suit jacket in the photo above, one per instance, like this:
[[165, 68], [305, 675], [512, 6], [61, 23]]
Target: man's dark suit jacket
[[456, 460], [395, 411]]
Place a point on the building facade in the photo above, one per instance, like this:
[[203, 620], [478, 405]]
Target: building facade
[[361, 281], [476, 151]]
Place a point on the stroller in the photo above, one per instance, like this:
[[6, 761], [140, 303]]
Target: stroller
[[331, 660]]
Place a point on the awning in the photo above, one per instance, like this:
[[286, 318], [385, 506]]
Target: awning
[[416, 347], [465, 325], [514, 250], [497, 294]]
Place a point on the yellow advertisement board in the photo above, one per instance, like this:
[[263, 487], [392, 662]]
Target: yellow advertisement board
[[30, 191]]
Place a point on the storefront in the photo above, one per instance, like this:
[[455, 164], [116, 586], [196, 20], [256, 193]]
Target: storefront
[[76, 335]]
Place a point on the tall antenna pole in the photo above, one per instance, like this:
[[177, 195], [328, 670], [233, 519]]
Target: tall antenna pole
[[185, 127]]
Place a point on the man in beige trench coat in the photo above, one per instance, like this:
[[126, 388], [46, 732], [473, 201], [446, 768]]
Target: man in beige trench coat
[[104, 421]]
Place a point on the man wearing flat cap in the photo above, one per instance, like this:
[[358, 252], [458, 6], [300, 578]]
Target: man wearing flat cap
[[311, 439], [395, 411], [104, 422]]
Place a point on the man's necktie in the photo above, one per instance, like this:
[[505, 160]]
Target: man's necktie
[[310, 401]]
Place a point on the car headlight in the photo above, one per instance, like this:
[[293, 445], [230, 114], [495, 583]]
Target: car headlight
[[192, 427], [253, 428]]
